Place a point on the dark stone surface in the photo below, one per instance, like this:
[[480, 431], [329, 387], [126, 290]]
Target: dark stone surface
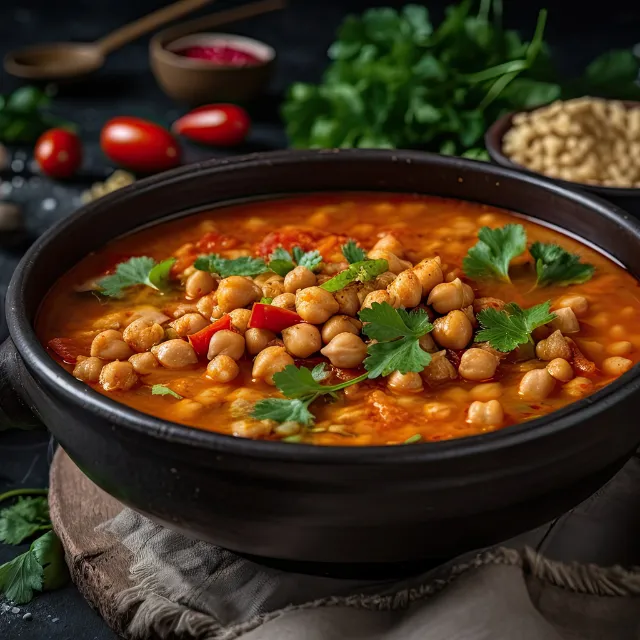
[[301, 35]]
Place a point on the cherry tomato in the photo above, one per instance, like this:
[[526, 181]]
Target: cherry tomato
[[266, 316], [220, 125], [139, 145], [58, 152]]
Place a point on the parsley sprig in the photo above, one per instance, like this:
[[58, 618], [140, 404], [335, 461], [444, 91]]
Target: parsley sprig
[[163, 390], [555, 265], [507, 329], [24, 519], [225, 267], [281, 261], [140, 270], [352, 252], [357, 272], [491, 255]]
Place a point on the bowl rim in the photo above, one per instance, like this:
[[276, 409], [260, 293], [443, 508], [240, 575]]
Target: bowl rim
[[159, 43], [493, 142], [57, 381]]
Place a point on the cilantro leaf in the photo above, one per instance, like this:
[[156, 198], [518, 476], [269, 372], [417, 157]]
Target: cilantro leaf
[[140, 270], [353, 253], [266, 300], [284, 410], [282, 262], [24, 518], [491, 255], [163, 390], [554, 265], [356, 272], [280, 253], [386, 323], [320, 372], [224, 267], [50, 554], [20, 577], [310, 259], [403, 355], [505, 330], [281, 267]]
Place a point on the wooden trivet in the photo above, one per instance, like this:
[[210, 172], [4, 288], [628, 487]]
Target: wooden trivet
[[99, 565]]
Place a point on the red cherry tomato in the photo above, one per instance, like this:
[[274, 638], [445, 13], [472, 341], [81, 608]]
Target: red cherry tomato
[[139, 145], [220, 125], [266, 316], [58, 152]]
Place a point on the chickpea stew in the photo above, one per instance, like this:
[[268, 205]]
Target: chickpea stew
[[346, 319]]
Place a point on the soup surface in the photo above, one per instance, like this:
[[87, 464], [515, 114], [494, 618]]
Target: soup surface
[[206, 348]]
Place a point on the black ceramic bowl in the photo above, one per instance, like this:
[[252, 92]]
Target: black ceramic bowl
[[325, 504], [625, 198]]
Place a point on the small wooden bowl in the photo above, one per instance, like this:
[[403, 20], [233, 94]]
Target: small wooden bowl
[[627, 198], [198, 82]]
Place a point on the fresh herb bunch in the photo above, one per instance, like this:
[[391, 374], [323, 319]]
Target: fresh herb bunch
[[396, 81]]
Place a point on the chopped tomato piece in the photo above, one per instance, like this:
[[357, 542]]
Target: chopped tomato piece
[[213, 242], [266, 316], [67, 349], [580, 363], [200, 340], [287, 239]]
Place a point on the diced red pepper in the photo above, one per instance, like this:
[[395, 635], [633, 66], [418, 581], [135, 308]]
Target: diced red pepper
[[266, 316], [67, 349], [200, 340], [287, 239]]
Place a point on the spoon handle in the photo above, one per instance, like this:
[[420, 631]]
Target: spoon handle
[[133, 30]]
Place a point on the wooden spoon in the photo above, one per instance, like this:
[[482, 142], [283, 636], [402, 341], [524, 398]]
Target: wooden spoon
[[70, 60]]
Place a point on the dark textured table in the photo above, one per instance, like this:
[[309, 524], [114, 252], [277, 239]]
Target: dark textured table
[[301, 35]]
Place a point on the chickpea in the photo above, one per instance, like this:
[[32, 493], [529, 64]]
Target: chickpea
[[251, 428], [427, 343], [379, 297], [390, 243], [536, 385], [480, 304], [273, 287], [406, 289], [223, 368], [477, 364], [109, 345], [453, 331], [405, 382], [198, 284], [189, 324], [486, 391], [315, 305], [340, 324], [240, 319], [560, 369], [206, 305], [285, 301], [396, 265], [348, 301], [257, 339], [383, 280], [578, 387], [118, 376], [345, 350], [437, 411], [616, 366], [618, 332], [578, 304], [235, 292], [88, 369], [449, 296], [565, 321], [269, 362], [299, 278], [144, 363], [141, 335], [485, 414], [621, 348], [175, 354], [301, 340], [226, 343], [429, 272], [439, 370], [555, 346]]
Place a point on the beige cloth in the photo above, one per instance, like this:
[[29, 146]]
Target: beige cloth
[[192, 590]]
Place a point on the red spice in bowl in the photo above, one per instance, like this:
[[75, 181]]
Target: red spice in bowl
[[223, 55]]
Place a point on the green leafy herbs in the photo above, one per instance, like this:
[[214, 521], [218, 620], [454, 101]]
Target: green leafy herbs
[[397, 333], [23, 519], [357, 272], [353, 253], [507, 329], [266, 300], [492, 254], [554, 265], [416, 437], [24, 116], [225, 267], [140, 270], [301, 386], [41, 568], [163, 390], [396, 80], [281, 261]]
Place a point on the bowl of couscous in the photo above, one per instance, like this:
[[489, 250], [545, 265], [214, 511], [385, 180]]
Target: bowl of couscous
[[588, 143]]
